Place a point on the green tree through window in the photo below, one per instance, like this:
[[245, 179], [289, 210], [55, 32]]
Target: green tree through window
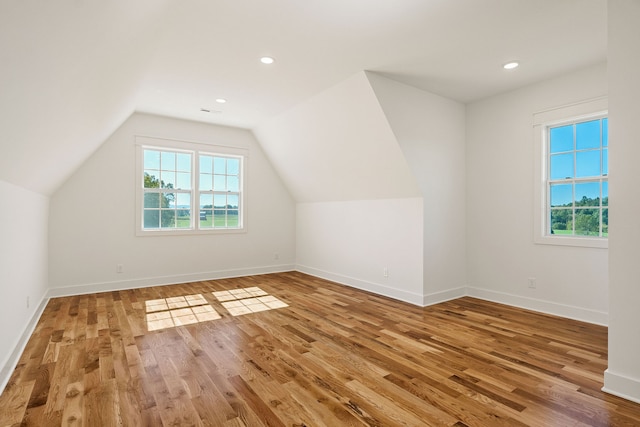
[[578, 188], [189, 190], [157, 212]]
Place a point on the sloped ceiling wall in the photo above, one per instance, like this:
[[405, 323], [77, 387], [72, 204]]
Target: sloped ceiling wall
[[62, 95], [338, 146]]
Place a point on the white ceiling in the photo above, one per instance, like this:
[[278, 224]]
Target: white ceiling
[[455, 48], [72, 70]]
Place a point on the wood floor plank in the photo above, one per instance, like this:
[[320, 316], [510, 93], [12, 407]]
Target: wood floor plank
[[323, 355]]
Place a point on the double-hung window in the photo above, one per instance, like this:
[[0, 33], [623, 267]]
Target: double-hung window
[[573, 189], [186, 188], [219, 191]]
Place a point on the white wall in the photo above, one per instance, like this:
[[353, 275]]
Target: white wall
[[92, 219], [623, 374], [430, 130], [359, 209], [353, 242], [501, 255], [23, 269], [338, 146]]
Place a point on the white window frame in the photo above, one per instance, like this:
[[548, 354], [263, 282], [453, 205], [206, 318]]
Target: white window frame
[[542, 121], [196, 149]]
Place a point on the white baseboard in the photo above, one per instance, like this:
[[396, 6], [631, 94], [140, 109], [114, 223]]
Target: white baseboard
[[165, 280], [376, 288], [12, 361], [443, 296], [621, 386], [548, 307]]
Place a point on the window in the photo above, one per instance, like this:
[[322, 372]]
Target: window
[[191, 189], [219, 191], [573, 164], [578, 189]]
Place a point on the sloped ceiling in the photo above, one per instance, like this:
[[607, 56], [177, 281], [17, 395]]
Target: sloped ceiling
[[338, 146], [73, 70], [70, 73]]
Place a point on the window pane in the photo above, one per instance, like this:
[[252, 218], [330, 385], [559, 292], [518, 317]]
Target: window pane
[[219, 183], [588, 194], [219, 201], [206, 218], [168, 179], [588, 163], [150, 180], [605, 132], [151, 159], [206, 200], [206, 182], [184, 162], [605, 161], [233, 183], [168, 219], [561, 195], [561, 221], [588, 135], [152, 200], [232, 218], [151, 219], [605, 193], [219, 219], [206, 164], [219, 165], [183, 220], [605, 222], [169, 200], [587, 222], [561, 139], [183, 181], [233, 166], [168, 160], [183, 200], [561, 166]]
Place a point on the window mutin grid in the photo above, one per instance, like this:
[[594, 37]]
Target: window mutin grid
[[169, 195], [219, 191], [577, 178]]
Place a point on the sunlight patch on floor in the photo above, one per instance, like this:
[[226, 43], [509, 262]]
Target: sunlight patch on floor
[[183, 310], [247, 300], [177, 311]]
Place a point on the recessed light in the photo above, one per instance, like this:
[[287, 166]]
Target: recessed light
[[221, 100], [266, 60], [511, 65]]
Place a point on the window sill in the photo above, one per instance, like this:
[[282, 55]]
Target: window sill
[[189, 232], [583, 242]]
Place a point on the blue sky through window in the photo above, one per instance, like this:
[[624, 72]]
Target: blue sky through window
[[578, 189]]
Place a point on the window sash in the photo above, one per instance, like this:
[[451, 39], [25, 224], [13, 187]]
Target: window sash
[[543, 121], [574, 180], [175, 217]]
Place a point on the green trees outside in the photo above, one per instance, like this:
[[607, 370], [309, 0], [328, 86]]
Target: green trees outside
[[587, 217], [154, 217]]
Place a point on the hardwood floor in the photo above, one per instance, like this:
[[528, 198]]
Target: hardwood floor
[[305, 352]]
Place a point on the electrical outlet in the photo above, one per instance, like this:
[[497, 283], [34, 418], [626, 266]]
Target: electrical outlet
[[276, 256], [532, 282], [385, 272], [119, 268], [27, 302]]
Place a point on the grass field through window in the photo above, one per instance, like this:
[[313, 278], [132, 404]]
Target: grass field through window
[[217, 221]]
